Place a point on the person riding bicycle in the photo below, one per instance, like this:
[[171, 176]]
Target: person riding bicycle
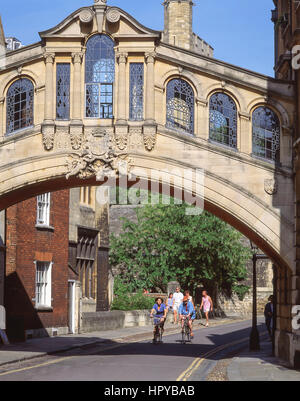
[[160, 311], [187, 311]]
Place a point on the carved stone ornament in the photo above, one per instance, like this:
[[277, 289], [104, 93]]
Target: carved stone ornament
[[100, 2], [271, 186], [98, 158], [113, 15], [121, 138], [86, 16], [48, 132], [149, 138], [76, 136]]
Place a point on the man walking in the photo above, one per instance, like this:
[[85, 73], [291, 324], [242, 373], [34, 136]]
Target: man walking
[[269, 315], [177, 301]]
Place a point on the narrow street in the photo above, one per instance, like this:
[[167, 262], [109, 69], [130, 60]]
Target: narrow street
[[139, 360]]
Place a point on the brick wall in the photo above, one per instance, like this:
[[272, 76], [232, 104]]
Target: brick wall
[[26, 244]]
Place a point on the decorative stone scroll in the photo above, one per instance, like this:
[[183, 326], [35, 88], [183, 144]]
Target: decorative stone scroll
[[98, 158], [86, 16], [48, 132], [149, 137], [121, 137], [76, 136], [271, 186], [113, 15]]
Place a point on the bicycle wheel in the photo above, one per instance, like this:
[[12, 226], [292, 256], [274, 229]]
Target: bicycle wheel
[[183, 336], [187, 332]]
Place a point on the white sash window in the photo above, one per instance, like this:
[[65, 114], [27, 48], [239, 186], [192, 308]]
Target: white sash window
[[43, 284], [43, 209]]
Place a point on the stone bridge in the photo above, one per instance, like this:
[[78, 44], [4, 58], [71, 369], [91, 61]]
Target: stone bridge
[[177, 136]]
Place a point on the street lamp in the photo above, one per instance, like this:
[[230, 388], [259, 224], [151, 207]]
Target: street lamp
[[254, 336]]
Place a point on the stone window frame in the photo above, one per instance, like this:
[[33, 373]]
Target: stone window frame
[[188, 91], [98, 83], [29, 108], [275, 142], [231, 117]]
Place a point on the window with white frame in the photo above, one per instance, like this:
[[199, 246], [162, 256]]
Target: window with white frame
[[43, 209], [43, 284]]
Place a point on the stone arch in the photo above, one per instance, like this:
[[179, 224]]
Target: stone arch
[[228, 90], [277, 107], [228, 201], [182, 74], [15, 75]]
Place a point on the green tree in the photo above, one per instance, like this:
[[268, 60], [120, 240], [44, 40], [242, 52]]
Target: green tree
[[167, 244]]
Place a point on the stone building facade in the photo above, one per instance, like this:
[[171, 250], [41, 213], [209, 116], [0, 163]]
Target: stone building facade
[[286, 18], [102, 89]]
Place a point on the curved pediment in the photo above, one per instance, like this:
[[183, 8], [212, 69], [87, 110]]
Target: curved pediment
[[92, 19]]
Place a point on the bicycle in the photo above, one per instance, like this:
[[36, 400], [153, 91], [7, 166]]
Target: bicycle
[[186, 331], [158, 333]]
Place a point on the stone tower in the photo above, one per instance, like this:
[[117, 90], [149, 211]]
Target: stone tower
[[2, 37], [178, 30]]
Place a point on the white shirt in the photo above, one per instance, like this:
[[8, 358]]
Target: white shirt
[[178, 297]]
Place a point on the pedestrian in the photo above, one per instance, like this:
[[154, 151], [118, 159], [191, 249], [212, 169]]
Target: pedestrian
[[207, 305], [269, 308], [170, 302], [177, 301]]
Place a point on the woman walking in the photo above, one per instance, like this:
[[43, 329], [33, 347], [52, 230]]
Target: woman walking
[[207, 305], [170, 302]]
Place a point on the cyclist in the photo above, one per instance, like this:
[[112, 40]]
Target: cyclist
[[160, 311], [187, 310]]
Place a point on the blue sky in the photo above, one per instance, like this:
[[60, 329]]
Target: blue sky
[[240, 31]]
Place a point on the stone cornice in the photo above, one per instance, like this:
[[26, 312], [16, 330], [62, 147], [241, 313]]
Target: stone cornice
[[226, 72]]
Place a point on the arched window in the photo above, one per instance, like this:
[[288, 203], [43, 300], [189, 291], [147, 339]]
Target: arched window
[[99, 77], [223, 119], [19, 112], [265, 134], [180, 106]]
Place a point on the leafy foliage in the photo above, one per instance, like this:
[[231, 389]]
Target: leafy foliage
[[167, 244], [124, 301]]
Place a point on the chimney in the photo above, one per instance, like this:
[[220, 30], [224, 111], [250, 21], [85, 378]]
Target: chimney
[[178, 30]]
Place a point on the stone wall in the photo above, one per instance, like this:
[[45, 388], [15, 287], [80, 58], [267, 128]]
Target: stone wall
[[235, 307]]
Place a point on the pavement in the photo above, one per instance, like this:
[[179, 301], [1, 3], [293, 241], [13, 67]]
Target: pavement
[[260, 366], [242, 366]]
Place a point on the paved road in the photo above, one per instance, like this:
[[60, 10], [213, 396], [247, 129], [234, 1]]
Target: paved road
[[137, 361]]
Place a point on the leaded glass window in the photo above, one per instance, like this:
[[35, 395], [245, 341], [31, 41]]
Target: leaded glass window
[[265, 134], [136, 91], [180, 106], [19, 105], [99, 77], [63, 91], [223, 120]]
